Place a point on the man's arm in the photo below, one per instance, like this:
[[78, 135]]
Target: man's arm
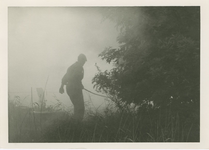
[[61, 90], [64, 81]]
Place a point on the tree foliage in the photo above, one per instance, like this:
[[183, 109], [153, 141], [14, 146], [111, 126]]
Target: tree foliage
[[158, 58]]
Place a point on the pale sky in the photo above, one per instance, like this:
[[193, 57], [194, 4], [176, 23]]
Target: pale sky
[[46, 41]]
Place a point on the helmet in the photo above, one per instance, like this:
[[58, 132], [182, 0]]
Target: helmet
[[82, 57]]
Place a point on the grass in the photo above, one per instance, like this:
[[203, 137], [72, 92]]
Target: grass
[[113, 125]]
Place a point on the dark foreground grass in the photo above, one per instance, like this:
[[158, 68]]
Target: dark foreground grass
[[153, 125], [125, 127]]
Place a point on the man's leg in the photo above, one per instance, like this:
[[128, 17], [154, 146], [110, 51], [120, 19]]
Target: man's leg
[[80, 106], [76, 97]]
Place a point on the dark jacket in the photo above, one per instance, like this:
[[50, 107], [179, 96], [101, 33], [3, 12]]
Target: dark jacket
[[73, 77]]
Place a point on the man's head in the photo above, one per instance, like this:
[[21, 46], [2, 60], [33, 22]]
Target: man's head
[[82, 59]]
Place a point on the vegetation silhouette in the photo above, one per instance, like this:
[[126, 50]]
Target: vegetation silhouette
[[158, 60]]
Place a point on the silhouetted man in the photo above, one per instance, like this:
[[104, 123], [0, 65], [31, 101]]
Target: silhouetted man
[[73, 81]]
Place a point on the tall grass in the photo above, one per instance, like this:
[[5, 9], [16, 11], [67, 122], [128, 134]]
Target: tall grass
[[112, 125], [25, 123]]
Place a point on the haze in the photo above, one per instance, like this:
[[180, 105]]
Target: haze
[[44, 42]]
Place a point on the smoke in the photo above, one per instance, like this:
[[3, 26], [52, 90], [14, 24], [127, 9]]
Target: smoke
[[46, 41]]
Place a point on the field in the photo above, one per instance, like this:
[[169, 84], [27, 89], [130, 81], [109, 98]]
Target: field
[[129, 124]]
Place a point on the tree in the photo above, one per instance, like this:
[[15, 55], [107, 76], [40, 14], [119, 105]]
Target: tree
[[158, 58]]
